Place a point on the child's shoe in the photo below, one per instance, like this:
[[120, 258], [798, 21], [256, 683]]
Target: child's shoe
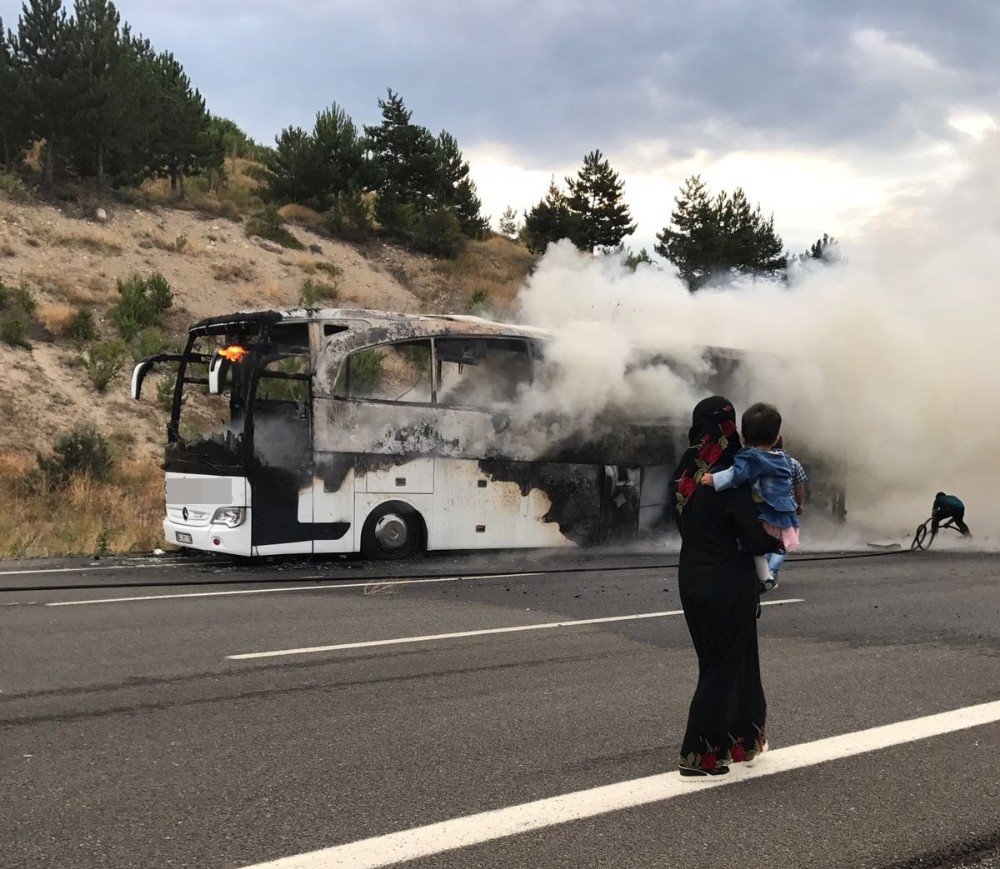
[[768, 584]]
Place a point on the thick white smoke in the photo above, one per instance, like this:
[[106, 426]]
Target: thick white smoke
[[886, 363]]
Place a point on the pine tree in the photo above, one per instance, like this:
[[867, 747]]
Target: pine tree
[[341, 150], [179, 145], [14, 133], [508, 223], [232, 139], [468, 208], [550, 220], [106, 127], [289, 172], [749, 244], [43, 53], [596, 196], [717, 238], [452, 168], [691, 240], [141, 67], [317, 169], [406, 163], [456, 188], [632, 260], [825, 249]]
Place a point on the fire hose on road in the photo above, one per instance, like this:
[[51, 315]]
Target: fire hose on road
[[920, 540]]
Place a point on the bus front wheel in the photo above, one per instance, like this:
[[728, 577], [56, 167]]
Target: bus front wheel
[[392, 532]]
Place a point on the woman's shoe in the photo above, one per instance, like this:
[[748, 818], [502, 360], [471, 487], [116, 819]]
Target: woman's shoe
[[692, 773]]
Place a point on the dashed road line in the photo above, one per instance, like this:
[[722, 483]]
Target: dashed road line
[[513, 629]]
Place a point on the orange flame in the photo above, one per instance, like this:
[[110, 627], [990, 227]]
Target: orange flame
[[234, 353]]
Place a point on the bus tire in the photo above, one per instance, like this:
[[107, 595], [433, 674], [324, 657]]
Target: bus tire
[[393, 531]]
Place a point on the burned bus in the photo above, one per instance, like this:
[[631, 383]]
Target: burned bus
[[341, 431]]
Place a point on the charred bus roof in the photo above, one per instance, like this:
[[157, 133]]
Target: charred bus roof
[[380, 325], [344, 330]]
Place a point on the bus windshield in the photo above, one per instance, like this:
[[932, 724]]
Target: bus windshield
[[259, 367]]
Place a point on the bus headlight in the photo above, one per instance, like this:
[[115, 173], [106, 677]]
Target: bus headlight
[[231, 517]]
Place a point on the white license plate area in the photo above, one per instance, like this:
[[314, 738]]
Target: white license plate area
[[183, 537], [199, 490]]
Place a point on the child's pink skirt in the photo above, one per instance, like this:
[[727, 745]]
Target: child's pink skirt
[[789, 537]]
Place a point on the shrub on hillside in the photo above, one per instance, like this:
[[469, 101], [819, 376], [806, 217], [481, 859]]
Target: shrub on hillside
[[17, 315], [55, 318], [83, 451], [14, 332], [142, 303], [267, 224], [332, 270], [14, 187], [165, 393], [300, 214], [17, 297], [234, 272], [81, 327], [478, 301], [311, 293], [148, 342], [103, 360]]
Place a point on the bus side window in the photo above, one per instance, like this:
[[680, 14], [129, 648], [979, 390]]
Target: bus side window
[[391, 372], [485, 373]]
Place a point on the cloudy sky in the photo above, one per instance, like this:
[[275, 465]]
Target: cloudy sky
[[823, 112]]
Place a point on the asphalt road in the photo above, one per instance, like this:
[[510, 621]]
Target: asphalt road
[[131, 738]]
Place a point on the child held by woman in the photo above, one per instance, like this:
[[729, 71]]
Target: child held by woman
[[769, 472]]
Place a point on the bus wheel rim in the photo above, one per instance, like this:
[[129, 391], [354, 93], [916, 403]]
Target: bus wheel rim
[[391, 532]]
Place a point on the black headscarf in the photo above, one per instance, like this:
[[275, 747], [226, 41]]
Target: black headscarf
[[713, 443]]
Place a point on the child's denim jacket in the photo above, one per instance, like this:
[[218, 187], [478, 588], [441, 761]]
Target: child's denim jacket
[[770, 476]]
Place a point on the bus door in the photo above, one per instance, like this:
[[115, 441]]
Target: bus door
[[620, 503], [280, 470]]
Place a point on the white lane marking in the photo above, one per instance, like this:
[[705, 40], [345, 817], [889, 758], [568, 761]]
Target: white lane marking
[[513, 629], [513, 820], [366, 584], [90, 569]]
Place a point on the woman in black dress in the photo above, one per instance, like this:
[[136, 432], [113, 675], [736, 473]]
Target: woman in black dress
[[718, 587]]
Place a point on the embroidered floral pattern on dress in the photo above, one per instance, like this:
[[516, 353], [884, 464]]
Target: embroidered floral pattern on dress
[[738, 752], [760, 740], [706, 760]]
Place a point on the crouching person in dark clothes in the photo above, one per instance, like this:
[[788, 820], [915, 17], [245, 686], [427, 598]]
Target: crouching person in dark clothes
[[948, 507]]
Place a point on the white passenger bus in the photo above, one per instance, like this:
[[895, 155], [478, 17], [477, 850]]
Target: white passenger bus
[[341, 431]]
